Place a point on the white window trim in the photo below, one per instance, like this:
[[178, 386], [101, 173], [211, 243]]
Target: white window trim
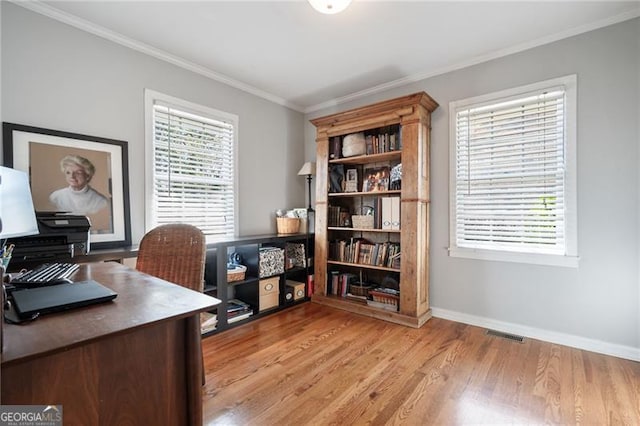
[[150, 96], [570, 258]]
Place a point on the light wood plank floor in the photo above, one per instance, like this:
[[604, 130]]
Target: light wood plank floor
[[314, 365]]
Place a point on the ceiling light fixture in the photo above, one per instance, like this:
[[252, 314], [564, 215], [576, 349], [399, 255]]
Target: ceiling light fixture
[[329, 6]]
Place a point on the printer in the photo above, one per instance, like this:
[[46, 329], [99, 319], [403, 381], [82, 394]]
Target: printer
[[62, 236]]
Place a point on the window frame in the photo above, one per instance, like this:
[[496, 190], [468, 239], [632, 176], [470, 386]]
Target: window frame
[[570, 257], [151, 97]]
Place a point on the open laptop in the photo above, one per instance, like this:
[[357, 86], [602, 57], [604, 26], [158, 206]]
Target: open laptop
[[42, 300]]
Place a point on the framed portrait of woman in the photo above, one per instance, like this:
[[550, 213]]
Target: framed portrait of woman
[[76, 174]]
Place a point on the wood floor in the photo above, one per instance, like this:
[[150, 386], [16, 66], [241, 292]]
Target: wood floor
[[314, 365]]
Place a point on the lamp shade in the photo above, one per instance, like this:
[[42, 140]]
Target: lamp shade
[[17, 215], [308, 168], [329, 6]]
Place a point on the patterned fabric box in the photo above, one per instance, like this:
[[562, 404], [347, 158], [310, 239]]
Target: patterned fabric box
[[271, 261], [295, 255]]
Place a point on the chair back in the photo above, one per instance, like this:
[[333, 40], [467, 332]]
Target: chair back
[[175, 253]]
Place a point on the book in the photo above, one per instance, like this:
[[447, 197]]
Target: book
[[369, 144], [239, 317], [335, 148], [351, 296], [332, 282], [395, 212], [236, 305], [208, 322], [386, 222]]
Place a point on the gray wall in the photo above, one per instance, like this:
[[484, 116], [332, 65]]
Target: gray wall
[[599, 301], [58, 77]]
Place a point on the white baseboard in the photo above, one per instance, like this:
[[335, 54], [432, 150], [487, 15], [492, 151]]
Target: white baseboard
[[620, 351]]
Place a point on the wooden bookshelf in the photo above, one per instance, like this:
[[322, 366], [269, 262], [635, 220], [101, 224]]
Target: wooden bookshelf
[[409, 119]]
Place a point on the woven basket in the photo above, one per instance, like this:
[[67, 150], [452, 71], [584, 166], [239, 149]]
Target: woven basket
[[359, 290], [288, 225], [386, 298], [236, 274], [362, 221]]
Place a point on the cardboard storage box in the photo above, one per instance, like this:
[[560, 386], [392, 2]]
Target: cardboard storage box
[[271, 261], [269, 293], [298, 289]]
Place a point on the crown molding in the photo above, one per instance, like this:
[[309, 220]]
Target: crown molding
[[476, 60], [84, 25], [53, 13]]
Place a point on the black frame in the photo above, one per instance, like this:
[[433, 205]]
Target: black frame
[[10, 144]]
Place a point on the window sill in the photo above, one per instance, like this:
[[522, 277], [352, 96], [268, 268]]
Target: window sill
[[504, 256]]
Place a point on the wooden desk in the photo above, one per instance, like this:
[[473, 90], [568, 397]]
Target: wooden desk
[[135, 360]]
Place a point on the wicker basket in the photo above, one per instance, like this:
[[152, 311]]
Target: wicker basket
[[386, 298], [288, 225], [236, 274], [362, 221], [359, 290]]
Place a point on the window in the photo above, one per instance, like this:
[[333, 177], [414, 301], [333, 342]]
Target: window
[[512, 175], [190, 165]]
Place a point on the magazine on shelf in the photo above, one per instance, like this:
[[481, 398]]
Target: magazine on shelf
[[236, 305]]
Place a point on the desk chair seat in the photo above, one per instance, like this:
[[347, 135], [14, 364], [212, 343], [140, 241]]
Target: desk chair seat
[[176, 253]]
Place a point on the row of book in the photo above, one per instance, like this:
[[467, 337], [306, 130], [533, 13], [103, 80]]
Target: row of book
[[383, 142], [338, 216], [238, 310], [364, 252], [338, 283]]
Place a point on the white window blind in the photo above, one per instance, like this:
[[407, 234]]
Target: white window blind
[[193, 170], [509, 188]]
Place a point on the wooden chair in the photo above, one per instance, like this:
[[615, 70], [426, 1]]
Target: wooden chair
[[176, 253]]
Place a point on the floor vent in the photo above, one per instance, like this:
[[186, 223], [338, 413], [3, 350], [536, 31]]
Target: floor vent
[[514, 337]]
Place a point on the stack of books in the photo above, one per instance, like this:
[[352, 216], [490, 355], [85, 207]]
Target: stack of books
[[238, 310], [208, 322]]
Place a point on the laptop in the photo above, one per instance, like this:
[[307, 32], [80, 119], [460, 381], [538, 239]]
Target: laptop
[[43, 300]]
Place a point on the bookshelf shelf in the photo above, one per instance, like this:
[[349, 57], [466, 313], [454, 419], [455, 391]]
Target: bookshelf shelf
[[247, 280], [395, 184], [381, 231], [362, 308], [362, 265], [368, 159], [365, 194]]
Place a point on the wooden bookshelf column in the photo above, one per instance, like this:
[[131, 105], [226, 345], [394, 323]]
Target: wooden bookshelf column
[[408, 119]]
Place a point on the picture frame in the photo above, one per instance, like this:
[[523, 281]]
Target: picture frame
[[351, 182], [376, 179], [63, 166]]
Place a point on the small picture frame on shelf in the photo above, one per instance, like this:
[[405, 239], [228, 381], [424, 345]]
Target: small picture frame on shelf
[[351, 182], [395, 182], [376, 179]]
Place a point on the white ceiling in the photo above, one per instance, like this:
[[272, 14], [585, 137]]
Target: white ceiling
[[287, 52]]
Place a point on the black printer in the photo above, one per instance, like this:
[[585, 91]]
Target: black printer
[[62, 236]]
